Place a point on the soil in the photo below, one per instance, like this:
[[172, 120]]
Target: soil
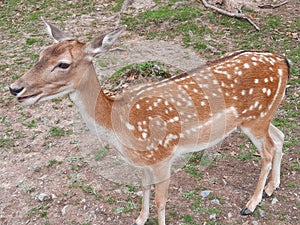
[[70, 178]]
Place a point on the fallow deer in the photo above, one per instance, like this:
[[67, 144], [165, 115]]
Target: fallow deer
[[153, 123]]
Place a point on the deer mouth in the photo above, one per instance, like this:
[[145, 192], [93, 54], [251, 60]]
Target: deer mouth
[[29, 99], [22, 99]]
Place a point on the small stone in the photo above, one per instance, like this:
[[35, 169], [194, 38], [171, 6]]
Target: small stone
[[216, 201], [64, 209], [229, 215], [139, 193], [180, 189], [41, 196], [274, 201], [213, 216], [205, 193], [53, 196], [254, 222], [43, 177], [262, 213]]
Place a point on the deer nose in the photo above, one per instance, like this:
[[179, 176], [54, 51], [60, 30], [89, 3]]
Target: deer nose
[[15, 91]]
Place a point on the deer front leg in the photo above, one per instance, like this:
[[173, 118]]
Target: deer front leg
[[266, 147], [146, 185], [257, 196]]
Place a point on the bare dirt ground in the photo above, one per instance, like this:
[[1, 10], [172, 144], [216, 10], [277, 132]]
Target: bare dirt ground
[[50, 178]]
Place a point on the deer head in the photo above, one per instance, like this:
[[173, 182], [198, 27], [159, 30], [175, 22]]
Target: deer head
[[61, 66]]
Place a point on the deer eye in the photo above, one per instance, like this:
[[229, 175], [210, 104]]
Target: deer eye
[[63, 65]]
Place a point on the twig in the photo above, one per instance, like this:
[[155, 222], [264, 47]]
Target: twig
[[236, 15], [270, 6]]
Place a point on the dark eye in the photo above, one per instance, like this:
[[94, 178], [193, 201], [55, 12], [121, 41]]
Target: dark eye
[[63, 65]]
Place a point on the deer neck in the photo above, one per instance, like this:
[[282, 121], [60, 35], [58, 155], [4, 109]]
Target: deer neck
[[94, 106]]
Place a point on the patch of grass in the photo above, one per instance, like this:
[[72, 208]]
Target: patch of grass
[[117, 7], [53, 162], [30, 124], [6, 143], [247, 156], [129, 207], [169, 21], [55, 131], [56, 100], [174, 214], [100, 154], [40, 209], [58, 132], [193, 170], [189, 220], [87, 189], [190, 194], [111, 200], [295, 165], [149, 71], [292, 185], [129, 189]]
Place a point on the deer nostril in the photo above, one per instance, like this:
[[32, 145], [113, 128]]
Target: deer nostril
[[15, 91]]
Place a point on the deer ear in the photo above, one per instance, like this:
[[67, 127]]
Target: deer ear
[[56, 33], [104, 42]]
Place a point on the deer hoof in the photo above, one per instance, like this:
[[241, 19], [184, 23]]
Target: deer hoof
[[265, 195], [245, 211]]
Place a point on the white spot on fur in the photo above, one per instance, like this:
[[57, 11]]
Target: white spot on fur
[[144, 135], [130, 126], [246, 66], [169, 138]]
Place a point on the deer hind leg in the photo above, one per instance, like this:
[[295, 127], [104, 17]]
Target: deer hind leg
[[161, 196], [160, 176], [263, 140], [146, 185], [274, 181]]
